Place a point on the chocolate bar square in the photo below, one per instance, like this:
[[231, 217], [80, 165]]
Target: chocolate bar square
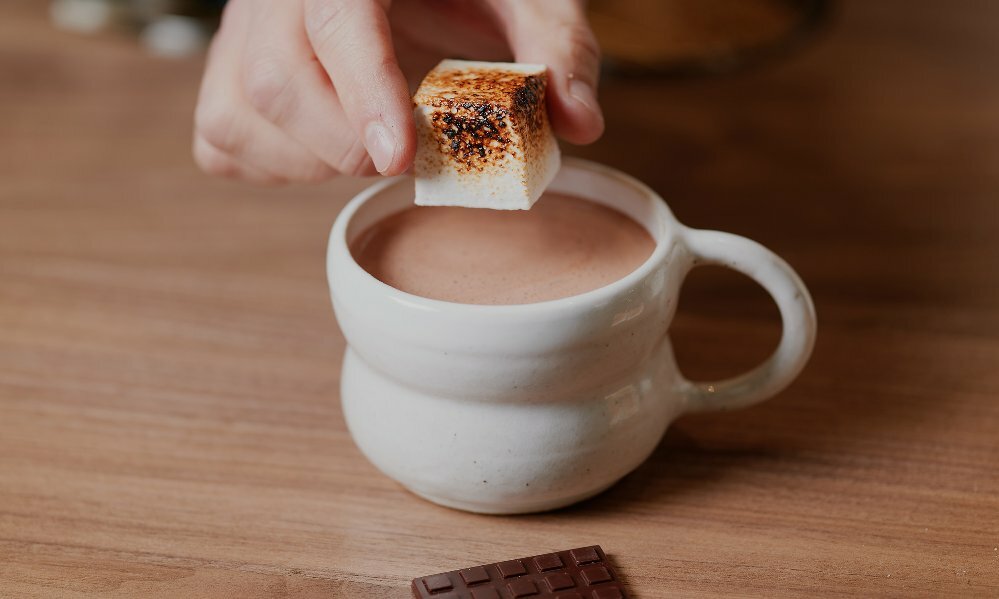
[[595, 575], [559, 581], [511, 568], [582, 573], [474, 576], [437, 583], [548, 561], [585, 555], [522, 587]]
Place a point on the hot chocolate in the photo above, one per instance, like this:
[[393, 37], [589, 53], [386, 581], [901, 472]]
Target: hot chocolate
[[563, 246]]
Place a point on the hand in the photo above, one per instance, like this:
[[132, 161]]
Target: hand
[[301, 90]]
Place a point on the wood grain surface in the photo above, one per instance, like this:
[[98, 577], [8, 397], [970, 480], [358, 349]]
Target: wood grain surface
[[169, 363]]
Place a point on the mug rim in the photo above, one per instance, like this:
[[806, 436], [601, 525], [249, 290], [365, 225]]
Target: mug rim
[[594, 297]]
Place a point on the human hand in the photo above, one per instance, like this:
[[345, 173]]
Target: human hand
[[303, 90]]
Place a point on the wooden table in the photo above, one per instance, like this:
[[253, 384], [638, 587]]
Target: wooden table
[[169, 423]]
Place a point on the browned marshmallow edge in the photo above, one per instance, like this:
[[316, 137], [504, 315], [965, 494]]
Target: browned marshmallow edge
[[473, 110]]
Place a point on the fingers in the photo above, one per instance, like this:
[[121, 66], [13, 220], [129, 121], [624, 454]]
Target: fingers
[[231, 138], [241, 133], [556, 33], [288, 87], [351, 39]]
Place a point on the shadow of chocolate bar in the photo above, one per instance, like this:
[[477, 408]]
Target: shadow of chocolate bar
[[583, 573]]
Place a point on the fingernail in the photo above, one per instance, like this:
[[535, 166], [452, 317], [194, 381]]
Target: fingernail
[[380, 145], [583, 93]]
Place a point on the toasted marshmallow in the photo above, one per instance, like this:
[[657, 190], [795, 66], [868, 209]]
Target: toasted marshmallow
[[483, 136]]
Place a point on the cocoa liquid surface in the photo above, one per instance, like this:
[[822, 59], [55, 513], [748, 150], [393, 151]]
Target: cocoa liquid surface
[[563, 246]]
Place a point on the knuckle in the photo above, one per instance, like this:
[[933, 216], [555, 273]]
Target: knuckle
[[264, 84], [216, 124], [213, 162]]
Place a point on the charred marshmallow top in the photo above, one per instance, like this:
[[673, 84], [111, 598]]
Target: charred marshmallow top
[[483, 136]]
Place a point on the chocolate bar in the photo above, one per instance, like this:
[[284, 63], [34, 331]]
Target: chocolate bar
[[582, 573]]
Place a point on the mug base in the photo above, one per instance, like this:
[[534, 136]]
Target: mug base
[[508, 509]]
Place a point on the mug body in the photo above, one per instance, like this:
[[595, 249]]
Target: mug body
[[511, 408]]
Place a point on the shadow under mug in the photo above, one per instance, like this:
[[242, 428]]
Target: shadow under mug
[[530, 407]]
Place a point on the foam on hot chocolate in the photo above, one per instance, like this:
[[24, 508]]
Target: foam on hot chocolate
[[483, 136]]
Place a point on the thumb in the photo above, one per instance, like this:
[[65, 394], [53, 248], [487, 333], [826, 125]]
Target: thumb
[[556, 33]]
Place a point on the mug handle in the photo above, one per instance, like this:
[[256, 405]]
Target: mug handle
[[797, 316]]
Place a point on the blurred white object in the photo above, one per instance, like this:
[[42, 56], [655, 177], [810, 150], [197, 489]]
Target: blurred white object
[[81, 16], [173, 36]]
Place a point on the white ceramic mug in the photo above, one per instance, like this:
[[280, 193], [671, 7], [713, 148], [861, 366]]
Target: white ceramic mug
[[521, 408]]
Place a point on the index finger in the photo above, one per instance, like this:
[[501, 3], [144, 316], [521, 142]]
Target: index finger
[[352, 40]]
